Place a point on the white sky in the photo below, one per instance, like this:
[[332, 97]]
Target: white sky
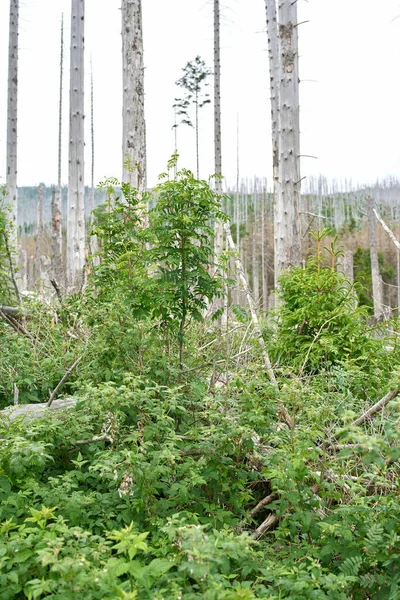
[[349, 64]]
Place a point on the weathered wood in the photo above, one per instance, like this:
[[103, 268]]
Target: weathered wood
[[377, 292], [76, 165], [287, 233], [11, 311], [56, 236], [36, 411], [376, 407], [246, 288], [219, 232], [62, 381], [133, 121], [12, 106]]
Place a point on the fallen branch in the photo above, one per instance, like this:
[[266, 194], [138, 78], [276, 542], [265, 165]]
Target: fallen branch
[[57, 290], [376, 407], [100, 438], [266, 525], [388, 231], [16, 325], [264, 502], [251, 303], [62, 381]]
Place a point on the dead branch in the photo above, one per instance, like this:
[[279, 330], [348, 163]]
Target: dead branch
[[376, 407], [388, 231], [266, 525], [264, 502], [101, 438], [57, 290], [62, 381]]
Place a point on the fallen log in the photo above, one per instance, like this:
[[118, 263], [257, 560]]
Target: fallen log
[[10, 311], [36, 411]]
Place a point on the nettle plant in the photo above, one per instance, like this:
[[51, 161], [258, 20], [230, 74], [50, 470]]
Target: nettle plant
[[159, 261]]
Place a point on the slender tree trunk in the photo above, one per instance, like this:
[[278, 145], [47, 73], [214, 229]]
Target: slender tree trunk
[[197, 137], [133, 121], [39, 233], [217, 123], [376, 278], [256, 283], [287, 219], [94, 246], [56, 237], [12, 100], [76, 187], [263, 265]]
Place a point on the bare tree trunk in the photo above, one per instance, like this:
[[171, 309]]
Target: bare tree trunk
[[12, 99], [76, 186], [263, 267], [39, 233], [274, 78], [133, 121], [94, 246], [376, 278], [217, 124], [254, 268], [56, 237], [287, 224]]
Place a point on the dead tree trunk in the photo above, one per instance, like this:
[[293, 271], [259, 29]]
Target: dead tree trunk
[[133, 121], [56, 236], [376, 278], [217, 122], [76, 186], [39, 234], [12, 100], [94, 246], [287, 219]]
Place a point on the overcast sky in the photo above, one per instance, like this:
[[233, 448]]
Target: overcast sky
[[350, 90]]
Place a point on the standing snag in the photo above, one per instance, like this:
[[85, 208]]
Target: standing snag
[[133, 121], [76, 186], [12, 105]]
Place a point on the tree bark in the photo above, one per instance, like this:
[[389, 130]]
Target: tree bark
[[377, 292], [76, 186], [39, 234], [287, 219], [12, 105], [217, 123], [56, 237], [133, 121], [94, 245]]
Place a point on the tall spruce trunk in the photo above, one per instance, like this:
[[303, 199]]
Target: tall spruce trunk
[[287, 235], [12, 105], [56, 236], [76, 186], [377, 291], [133, 121]]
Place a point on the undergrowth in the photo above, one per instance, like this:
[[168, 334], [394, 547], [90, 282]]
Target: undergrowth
[[176, 475]]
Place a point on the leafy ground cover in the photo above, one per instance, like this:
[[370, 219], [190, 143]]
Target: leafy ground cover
[[183, 472]]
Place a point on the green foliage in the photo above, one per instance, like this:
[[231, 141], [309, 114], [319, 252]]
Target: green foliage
[[362, 275], [147, 489], [320, 324]]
